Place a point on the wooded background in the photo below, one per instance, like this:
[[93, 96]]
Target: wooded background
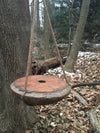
[[15, 28]]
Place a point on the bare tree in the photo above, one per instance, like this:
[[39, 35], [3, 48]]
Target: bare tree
[[38, 15], [69, 66], [47, 32]]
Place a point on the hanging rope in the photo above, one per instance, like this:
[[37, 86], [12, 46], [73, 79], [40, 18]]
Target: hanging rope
[[54, 39], [32, 41], [30, 47]]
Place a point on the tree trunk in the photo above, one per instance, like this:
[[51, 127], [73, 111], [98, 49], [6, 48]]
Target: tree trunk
[[37, 22], [32, 9], [38, 15], [15, 116], [47, 33], [69, 66]]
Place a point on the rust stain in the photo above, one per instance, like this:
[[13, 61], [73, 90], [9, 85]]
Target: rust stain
[[41, 83]]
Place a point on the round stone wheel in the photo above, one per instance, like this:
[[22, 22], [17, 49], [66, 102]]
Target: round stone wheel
[[41, 89]]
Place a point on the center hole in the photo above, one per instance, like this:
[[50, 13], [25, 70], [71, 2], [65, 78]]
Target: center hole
[[41, 81]]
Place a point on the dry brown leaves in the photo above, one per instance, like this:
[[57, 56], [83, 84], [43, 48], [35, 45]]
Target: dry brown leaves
[[68, 115]]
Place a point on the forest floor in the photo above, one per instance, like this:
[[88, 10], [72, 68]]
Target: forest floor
[[69, 115]]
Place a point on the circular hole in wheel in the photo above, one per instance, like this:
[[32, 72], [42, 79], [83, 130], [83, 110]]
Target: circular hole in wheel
[[42, 81]]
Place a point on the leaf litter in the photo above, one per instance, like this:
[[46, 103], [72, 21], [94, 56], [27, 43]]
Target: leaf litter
[[68, 115]]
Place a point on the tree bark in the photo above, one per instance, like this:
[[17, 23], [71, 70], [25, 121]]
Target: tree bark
[[69, 66], [15, 116], [32, 9], [38, 15], [47, 32]]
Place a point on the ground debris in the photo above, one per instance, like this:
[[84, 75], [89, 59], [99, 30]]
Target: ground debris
[[68, 115]]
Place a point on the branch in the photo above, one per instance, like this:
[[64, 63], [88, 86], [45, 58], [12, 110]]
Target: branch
[[93, 119], [40, 67]]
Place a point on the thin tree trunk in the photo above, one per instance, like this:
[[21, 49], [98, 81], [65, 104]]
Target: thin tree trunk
[[15, 116], [70, 28], [38, 15], [69, 66], [47, 33], [32, 9]]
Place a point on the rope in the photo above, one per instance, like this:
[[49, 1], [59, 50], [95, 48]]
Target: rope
[[55, 42], [30, 48], [31, 45]]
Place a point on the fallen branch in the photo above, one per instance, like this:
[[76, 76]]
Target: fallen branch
[[40, 67], [93, 119], [79, 98]]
